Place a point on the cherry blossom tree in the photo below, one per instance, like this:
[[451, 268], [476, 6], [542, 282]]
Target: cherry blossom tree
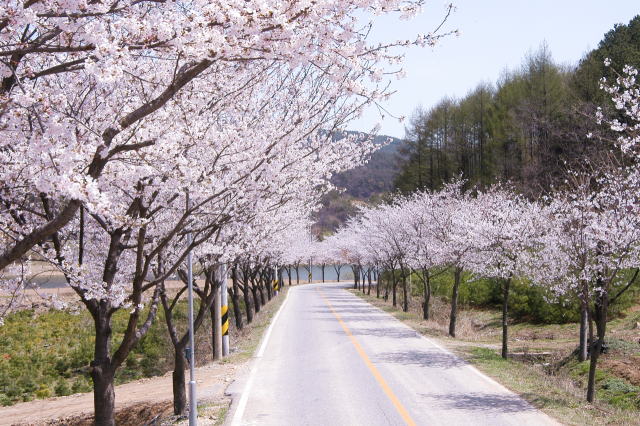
[[506, 233], [155, 120], [83, 82], [419, 234], [452, 220]]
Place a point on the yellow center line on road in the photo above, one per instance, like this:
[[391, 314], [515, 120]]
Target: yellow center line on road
[[373, 369]]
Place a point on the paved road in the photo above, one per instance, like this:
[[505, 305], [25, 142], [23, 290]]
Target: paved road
[[332, 359]]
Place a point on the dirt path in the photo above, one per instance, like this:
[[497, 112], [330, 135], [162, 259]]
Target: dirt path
[[211, 381]]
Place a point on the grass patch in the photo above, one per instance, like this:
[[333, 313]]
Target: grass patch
[[47, 354]]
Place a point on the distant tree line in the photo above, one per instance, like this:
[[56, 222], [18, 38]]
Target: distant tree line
[[535, 123]]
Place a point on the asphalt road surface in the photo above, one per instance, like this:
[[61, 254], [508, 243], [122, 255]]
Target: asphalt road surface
[[332, 359]]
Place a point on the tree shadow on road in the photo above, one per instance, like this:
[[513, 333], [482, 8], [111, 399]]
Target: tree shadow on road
[[439, 360], [479, 401], [393, 332]]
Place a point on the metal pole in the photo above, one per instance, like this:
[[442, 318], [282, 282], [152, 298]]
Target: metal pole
[[310, 257], [224, 310], [193, 401]]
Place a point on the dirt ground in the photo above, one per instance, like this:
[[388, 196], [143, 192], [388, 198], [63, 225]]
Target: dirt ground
[[136, 402]]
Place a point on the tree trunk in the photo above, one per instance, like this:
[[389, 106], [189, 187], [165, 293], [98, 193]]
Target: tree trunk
[[289, 273], [386, 291], [505, 325], [246, 295], [600, 314], [369, 279], [104, 397], [395, 288], [263, 301], [427, 294], [179, 381], [582, 354], [268, 282], [102, 373], [454, 302], [235, 297], [405, 298], [356, 276], [254, 292]]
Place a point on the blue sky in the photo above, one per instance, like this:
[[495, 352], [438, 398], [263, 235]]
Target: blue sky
[[496, 34]]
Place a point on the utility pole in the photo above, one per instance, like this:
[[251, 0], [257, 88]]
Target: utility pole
[[193, 400], [224, 301]]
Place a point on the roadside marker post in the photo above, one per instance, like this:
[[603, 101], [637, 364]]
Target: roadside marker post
[[224, 310]]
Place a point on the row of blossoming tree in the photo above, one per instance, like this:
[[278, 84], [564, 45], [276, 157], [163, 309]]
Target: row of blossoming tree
[[127, 125], [581, 242]]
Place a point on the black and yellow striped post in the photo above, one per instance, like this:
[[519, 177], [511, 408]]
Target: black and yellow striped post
[[224, 310], [275, 285], [225, 325]]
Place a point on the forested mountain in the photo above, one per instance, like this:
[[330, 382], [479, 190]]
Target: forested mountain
[[374, 177], [530, 127], [360, 185]]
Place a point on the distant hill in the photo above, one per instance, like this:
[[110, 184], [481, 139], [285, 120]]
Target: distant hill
[[361, 185], [374, 177]]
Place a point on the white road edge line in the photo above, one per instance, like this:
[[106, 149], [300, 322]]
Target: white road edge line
[[242, 405]]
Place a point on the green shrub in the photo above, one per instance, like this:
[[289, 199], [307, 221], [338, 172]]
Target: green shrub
[[62, 388], [43, 393], [27, 383], [618, 385], [13, 391], [149, 365], [5, 401], [62, 365], [583, 368], [81, 385], [485, 354], [132, 361]]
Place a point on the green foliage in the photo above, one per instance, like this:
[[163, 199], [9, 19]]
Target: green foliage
[[62, 388], [619, 393], [527, 302], [529, 127], [27, 383], [43, 393], [583, 368], [53, 350], [485, 355], [622, 46], [82, 384], [618, 385]]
